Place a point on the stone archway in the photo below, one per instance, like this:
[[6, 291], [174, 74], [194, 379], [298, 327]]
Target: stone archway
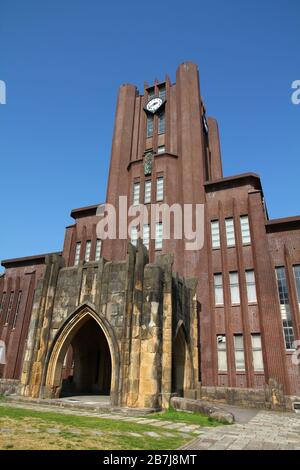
[[96, 357], [182, 370]]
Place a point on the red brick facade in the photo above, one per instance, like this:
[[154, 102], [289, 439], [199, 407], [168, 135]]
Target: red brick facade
[[187, 156]]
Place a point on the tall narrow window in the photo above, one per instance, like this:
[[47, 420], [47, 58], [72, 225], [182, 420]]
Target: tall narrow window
[[17, 310], [230, 238], [251, 287], [98, 249], [162, 92], [10, 305], [136, 194], [297, 280], [77, 253], [215, 234], [150, 121], [258, 363], [2, 303], [151, 94], [158, 236], [87, 250], [147, 195], [161, 122], [222, 356], [234, 287], [134, 235], [160, 189], [245, 229], [285, 308], [218, 282], [239, 352], [146, 235]]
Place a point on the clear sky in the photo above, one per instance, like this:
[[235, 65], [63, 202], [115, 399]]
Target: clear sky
[[63, 62]]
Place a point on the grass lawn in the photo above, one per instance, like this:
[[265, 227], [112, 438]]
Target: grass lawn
[[23, 428], [185, 417]]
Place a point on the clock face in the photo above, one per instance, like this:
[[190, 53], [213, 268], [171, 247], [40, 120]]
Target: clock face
[[153, 105]]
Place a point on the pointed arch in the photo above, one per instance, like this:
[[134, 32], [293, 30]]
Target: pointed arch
[[182, 363], [61, 342]]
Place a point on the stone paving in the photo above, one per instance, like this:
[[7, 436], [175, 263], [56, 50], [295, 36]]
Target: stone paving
[[265, 431]]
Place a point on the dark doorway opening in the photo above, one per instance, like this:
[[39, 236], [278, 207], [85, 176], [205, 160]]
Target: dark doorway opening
[[87, 364], [178, 364]]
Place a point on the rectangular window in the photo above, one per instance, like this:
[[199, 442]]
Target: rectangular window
[[258, 363], [98, 249], [215, 234], [77, 253], [162, 92], [297, 280], [285, 308], [17, 310], [161, 149], [158, 236], [234, 287], [230, 238], [239, 352], [218, 282], [150, 121], [87, 250], [147, 195], [160, 189], [2, 303], [245, 229], [222, 355], [136, 194], [134, 235], [10, 305], [161, 122], [251, 287], [146, 235]]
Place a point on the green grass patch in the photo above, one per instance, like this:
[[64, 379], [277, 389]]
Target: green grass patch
[[186, 417], [114, 433]]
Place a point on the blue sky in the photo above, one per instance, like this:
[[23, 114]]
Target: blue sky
[[63, 61]]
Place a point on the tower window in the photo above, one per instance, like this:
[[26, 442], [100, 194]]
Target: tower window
[[160, 189], [162, 92], [136, 194], [218, 283], [77, 253], [234, 287], [158, 236], [134, 235], [17, 310], [161, 122], [150, 121], [245, 229], [222, 355], [285, 308], [251, 287], [230, 238], [215, 234], [146, 235], [87, 250], [147, 195], [10, 304], [239, 352], [98, 249], [2, 302]]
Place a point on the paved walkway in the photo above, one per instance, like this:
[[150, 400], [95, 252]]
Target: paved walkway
[[264, 431]]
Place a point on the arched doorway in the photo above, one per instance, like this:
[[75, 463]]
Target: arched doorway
[[94, 358], [87, 363], [181, 364]]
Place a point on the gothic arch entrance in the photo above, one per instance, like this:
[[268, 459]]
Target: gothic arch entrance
[[95, 358], [181, 363]]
